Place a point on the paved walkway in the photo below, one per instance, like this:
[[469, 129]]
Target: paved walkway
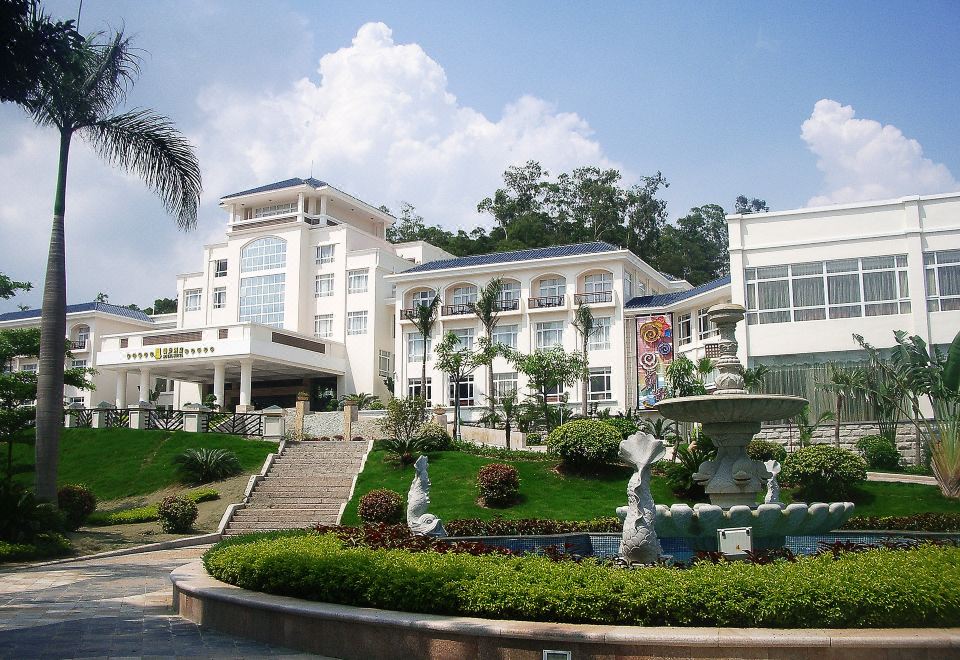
[[112, 607], [902, 478]]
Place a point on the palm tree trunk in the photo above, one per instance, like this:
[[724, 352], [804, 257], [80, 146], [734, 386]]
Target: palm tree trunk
[[585, 385], [836, 426], [53, 330], [423, 376]]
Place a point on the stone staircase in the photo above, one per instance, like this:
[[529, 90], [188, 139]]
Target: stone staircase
[[307, 483]]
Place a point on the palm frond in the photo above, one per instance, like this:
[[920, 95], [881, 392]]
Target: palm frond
[[149, 145]]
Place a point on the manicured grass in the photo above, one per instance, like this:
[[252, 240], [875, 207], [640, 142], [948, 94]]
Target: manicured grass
[[117, 463], [547, 494]]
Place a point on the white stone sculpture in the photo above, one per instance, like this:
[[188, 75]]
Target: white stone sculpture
[[640, 544], [773, 488], [418, 501]]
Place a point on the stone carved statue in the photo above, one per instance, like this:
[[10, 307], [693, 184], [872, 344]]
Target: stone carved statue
[[640, 544], [773, 488], [418, 501]]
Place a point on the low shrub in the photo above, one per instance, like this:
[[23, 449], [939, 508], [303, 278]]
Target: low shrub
[[917, 522], [823, 472], [625, 427], [22, 518], [434, 437], [381, 536], [765, 450], [501, 453], [875, 588], [498, 484], [76, 503], [205, 465], [503, 527], [584, 443], [380, 506], [879, 452], [679, 474], [534, 439], [176, 514], [144, 514], [43, 546]]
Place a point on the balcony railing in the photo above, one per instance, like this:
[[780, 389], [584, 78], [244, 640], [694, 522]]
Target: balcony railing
[[545, 301], [595, 297], [78, 345], [508, 305], [408, 314], [458, 309]]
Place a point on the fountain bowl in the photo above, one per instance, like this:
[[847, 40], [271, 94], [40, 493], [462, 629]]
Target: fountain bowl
[[735, 408]]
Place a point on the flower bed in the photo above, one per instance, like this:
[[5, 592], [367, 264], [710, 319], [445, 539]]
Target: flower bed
[[876, 588]]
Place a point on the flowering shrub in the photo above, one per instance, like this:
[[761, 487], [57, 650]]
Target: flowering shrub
[[584, 443], [823, 472], [434, 437], [176, 514], [380, 506], [76, 503], [498, 484]]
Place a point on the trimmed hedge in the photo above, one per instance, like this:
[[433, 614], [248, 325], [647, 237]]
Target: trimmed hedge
[[43, 546], [584, 443], [765, 450], [879, 452], [176, 514], [823, 471], [876, 588], [144, 514], [504, 527], [625, 427], [917, 522]]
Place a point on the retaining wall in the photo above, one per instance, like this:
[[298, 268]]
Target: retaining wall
[[850, 432]]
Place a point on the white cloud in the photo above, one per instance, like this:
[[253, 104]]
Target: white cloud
[[381, 123], [862, 159]]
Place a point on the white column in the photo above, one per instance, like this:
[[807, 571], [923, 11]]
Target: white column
[[144, 383], [219, 369], [121, 389], [246, 376]]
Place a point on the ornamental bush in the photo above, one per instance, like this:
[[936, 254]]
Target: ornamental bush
[[764, 450], [879, 452], [380, 506], [498, 484], [503, 527], [434, 437], [205, 465], [916, 522], [625, 427], [584, 443], [176, 514], [76, 503], [823, 472], [148, 513]]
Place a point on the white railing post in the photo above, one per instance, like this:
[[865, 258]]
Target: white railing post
[[273, 423], [194, 416], [98, 418], [140, 414]]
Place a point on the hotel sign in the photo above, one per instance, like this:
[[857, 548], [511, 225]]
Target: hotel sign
[[171, 353]]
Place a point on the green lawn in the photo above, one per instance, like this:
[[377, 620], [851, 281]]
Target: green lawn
[[546, 494], [117, 463]]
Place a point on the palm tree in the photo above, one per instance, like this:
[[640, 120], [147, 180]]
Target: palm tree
[[424, 317], [584, 321], [361, 400], [487, 309], [754, 378], [845, 383], [79, 95]]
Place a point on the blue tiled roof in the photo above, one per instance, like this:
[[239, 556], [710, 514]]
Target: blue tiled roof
[[106, 308], [279, 185], [665, 299], [516, 255]]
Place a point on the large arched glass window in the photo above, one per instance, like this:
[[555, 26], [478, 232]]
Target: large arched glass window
[[263, 254]]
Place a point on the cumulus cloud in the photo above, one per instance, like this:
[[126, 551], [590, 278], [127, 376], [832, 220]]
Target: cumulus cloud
[[862, 159], [381, 122]]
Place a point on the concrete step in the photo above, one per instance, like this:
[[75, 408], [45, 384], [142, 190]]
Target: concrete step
[[316, 480], [302, 490], [288, 517], [249, 528]]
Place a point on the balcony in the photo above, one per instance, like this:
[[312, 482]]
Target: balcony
[[591, 298], [408, 314], [457, 310], [545, 301], [508, 305], [80, 345]]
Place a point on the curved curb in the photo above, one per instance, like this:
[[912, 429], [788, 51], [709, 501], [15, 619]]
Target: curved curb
[[349, 632]]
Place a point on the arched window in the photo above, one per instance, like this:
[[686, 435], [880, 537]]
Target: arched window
[[263, 254]]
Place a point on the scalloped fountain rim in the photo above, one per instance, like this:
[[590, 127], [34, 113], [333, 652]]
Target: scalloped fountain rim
[[735, 408]]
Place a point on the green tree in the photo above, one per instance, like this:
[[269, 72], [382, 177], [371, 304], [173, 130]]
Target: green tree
[[29, 42], [546, 369], [9, 288], [846, 384], [686, 377], [78, 95], [696, 248], [459, 362], [163, 306], [361, 400], [487, 309], [743, 205], [410, 226], [754, 378], [424, 318], [586, 325]]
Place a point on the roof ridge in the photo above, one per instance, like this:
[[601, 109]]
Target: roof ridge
[[543, 252]]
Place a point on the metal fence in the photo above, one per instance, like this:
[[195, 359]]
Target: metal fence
[[83, 417], [116, 418], [165, 420], [250, 424]]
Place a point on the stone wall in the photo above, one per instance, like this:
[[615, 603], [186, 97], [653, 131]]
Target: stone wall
[[850, 432], [329, 424]]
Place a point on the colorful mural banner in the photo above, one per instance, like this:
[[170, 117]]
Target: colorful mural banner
[[654, 353]]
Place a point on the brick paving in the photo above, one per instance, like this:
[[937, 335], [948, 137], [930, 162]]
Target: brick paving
[[110, 607]]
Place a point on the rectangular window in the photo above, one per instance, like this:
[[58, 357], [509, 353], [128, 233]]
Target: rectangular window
[[160, 385], [414, 389], [704, 329], [550, 334], [220, 268], [943, 280], [191, 300], [600, 337], [601, 387], [555, 286], [506, 335], [357, 323], [220, 297], [415, 346], [261, 299], [325, 254], [275, 209], [555, 394], [357, 281], [684, 329], [385, 363], [464, 392], [323, 326], [78, 364], [504, 384], [30, 367], [628, 284], [465, 338], [598, 283], [464, 295], [510, 291], [74, 400], [323, 286]]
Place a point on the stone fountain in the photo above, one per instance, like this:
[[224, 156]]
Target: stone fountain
[[730, 417]]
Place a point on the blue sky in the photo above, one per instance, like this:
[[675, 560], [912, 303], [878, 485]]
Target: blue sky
[[429, 102]]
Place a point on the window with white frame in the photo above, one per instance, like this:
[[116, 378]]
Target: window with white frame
[[506, 334], [162, 385], [600, 336], [415, 346], [684, 327], [598, 283], [504, 384], [834, 289], [554, 393], [191, 300], [323, 325], [550, 334], [509, 291], [30, 367], [601, 384], [275, 209], [220, 268], [943, 280], [220, 297], [423, 298], [552, 286], [261, 299], [78, 364], [462, 391], [323, 285], [705, 329], [83, 334], [464, 338], [628, 284], [357, 323], [265, 253], [74, 400], [325, 254], [357, 280], [385, 363], [415, 390], [464, 295]]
